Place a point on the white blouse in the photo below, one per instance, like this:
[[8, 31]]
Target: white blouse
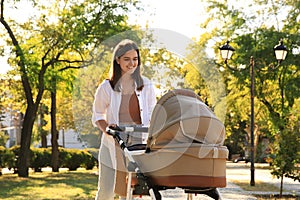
[[107, 103]]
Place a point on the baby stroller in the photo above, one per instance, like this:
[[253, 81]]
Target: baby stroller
[[184, 149]]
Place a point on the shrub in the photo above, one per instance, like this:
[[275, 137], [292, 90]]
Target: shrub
[[40, 157], [90, 161], [2, 152], [14, 158], [74, 158], [7, 158]]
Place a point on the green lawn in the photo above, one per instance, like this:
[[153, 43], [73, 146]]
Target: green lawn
[[259, 186], [80, 184], [72, 185]]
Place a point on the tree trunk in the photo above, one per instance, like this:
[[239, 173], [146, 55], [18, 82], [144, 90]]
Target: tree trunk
[[281, 186], [44, 138], [54, 133], [24, 154], [42, 132]]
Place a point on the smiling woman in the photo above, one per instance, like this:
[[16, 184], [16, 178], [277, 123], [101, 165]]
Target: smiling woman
[[128, 62], [125, 98]]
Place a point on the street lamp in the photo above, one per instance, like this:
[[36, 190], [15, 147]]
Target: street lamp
[[226, 52], [280, 51]]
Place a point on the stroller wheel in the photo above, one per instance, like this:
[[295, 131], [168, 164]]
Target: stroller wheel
[[211, 192], [214, 193]]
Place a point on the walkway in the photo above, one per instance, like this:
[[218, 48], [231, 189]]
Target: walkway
[[240, 171]]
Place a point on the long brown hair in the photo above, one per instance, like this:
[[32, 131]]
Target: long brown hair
[[115, 71]]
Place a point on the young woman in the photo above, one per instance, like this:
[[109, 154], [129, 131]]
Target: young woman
[[125, 98]]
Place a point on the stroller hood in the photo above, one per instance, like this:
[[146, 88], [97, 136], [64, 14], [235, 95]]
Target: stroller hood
[[181, 117]]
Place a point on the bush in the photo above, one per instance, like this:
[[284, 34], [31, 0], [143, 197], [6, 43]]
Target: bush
[[90, 161], [41, 157], [7, 158], [13, 156], [2, 152], [74, 158]]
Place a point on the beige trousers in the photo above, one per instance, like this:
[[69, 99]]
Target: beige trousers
[[113, 181], [109, 181]]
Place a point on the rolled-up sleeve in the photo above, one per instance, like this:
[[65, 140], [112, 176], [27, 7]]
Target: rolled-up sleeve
[[101, 103], [151, 99]]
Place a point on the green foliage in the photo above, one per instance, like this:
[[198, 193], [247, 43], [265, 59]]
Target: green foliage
[[3, 137], [90, 160], [7, 158], [276, 84], [41, 157], [73, 159], [237, 140], [70, 158], [83, 95], [67, 32], [287, 151]]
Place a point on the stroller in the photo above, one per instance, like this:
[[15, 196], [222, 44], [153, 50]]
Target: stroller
[[184, 149]]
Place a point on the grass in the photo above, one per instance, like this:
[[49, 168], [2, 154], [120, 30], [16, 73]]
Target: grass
[[80, 184], [259, 186], [263, 187]]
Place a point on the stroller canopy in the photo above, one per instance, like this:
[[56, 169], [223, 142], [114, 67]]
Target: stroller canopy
[[180, 117]]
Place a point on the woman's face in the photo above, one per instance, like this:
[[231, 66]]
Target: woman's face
[[128, 62]]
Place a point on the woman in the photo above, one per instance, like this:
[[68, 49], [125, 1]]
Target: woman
[[125, 98]]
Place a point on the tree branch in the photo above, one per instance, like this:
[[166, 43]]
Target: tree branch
[[19, 53]]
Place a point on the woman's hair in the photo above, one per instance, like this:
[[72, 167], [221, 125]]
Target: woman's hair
[[115, 71]]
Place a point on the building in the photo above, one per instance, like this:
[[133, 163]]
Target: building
[[68, 139], [12, 124]]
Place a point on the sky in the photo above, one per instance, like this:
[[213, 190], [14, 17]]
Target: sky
[[183, 17]]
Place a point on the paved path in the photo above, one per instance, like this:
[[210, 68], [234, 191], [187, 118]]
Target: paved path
[[237, 171], [240, 171]]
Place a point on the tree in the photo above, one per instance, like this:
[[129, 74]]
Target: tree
[[285, 162], [43, 110], [56, 44], [252, 34]]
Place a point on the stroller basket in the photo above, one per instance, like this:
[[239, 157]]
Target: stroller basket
[[196, 167]]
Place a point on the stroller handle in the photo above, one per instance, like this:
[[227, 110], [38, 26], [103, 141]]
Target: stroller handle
[[129, 128], [114, 131]]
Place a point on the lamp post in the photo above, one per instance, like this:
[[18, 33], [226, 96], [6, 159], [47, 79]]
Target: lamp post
[[252, 168], [226, 52]]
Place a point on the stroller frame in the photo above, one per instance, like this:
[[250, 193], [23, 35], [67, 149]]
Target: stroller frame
[[144, 184]]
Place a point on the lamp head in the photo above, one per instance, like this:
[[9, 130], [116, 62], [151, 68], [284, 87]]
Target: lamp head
[[226, 51], [280, 51]]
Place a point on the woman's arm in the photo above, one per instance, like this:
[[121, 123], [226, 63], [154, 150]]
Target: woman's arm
[[100, 105], [102, 124]]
